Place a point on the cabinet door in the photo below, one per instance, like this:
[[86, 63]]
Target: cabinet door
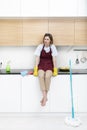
[[10, 32], [60, 100], [9, 93], [63, 8], [81, 31], [31, 95], [32, 8], [62, 30], [82, 8], [34, 30], [80, 82], [9, 8], [75, 92]]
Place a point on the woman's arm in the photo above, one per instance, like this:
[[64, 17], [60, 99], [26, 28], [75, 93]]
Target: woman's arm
[[54, 62], [36, 66], [37, 60], [54, 55], [55, 70]]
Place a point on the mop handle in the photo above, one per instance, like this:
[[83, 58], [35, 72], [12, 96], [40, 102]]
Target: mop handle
[[71, 89]]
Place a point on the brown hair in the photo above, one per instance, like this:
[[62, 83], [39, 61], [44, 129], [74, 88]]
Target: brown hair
[[50, 37]]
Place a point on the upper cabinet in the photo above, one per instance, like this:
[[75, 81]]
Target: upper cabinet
[[68, 8], [81, 31], [62, 30], [63, 8], [10, 32], [43, 8], [30, 31], [82, 8], [23, 8], [33, 30], [53, 8], [10, 8], [36, 8]]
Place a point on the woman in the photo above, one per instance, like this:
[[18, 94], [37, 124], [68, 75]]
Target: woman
[[45, 64]]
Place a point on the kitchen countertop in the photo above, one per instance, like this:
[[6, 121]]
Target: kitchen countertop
[[18, 71], [75, 71], [15, 71]]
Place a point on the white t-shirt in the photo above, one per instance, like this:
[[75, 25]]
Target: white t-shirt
[[47, 49]]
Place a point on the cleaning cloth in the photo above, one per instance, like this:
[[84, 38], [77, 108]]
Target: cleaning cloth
[[24, 73]]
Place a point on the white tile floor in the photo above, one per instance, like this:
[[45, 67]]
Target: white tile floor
[[38, 122]]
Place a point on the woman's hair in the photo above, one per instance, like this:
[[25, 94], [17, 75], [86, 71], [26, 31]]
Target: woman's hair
[[50, 37]]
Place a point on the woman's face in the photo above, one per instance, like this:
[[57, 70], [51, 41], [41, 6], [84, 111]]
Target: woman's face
[[47, 41]]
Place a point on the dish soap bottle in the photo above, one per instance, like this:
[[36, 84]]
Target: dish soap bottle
[[8, 69]]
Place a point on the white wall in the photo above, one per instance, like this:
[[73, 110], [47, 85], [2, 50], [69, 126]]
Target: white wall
[[20, 57], [23, 57]]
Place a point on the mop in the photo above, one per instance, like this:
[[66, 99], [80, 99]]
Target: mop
[[72, 121]]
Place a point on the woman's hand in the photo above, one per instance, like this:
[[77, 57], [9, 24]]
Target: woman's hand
[[36, 66], [35, 71], [55, 71]]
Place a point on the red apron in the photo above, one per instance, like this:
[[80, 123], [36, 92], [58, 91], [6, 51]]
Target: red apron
[[46, 62]]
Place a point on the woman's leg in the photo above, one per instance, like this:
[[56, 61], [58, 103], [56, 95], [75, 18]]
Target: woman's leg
[[44, 79], [41, 75], [48, 76]]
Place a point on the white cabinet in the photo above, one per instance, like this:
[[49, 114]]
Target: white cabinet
[[63, 8], [68, 8], [9, 93], [43, 8], [36, 8], [80, 82], [82, 8], [60, 94], [10, 8], [75, 91], [23, 94], [31, 95]]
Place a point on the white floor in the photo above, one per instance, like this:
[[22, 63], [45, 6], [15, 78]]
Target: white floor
[[38, 122]]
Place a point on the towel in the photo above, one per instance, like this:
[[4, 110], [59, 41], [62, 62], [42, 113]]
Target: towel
[[24, 73]]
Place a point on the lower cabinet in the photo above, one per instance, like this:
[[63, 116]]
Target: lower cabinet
[[60, 94], [23, 94], [31, 95], [9, 93], [59, 98], [80, 82]]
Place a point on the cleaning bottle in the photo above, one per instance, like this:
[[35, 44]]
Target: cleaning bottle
[[8, 69]]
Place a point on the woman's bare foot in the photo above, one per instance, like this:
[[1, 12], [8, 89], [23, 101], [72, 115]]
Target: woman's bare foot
[[43, 101]]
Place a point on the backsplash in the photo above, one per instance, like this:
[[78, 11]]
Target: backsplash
[[20, 57], [65, 53], [23, 57]]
